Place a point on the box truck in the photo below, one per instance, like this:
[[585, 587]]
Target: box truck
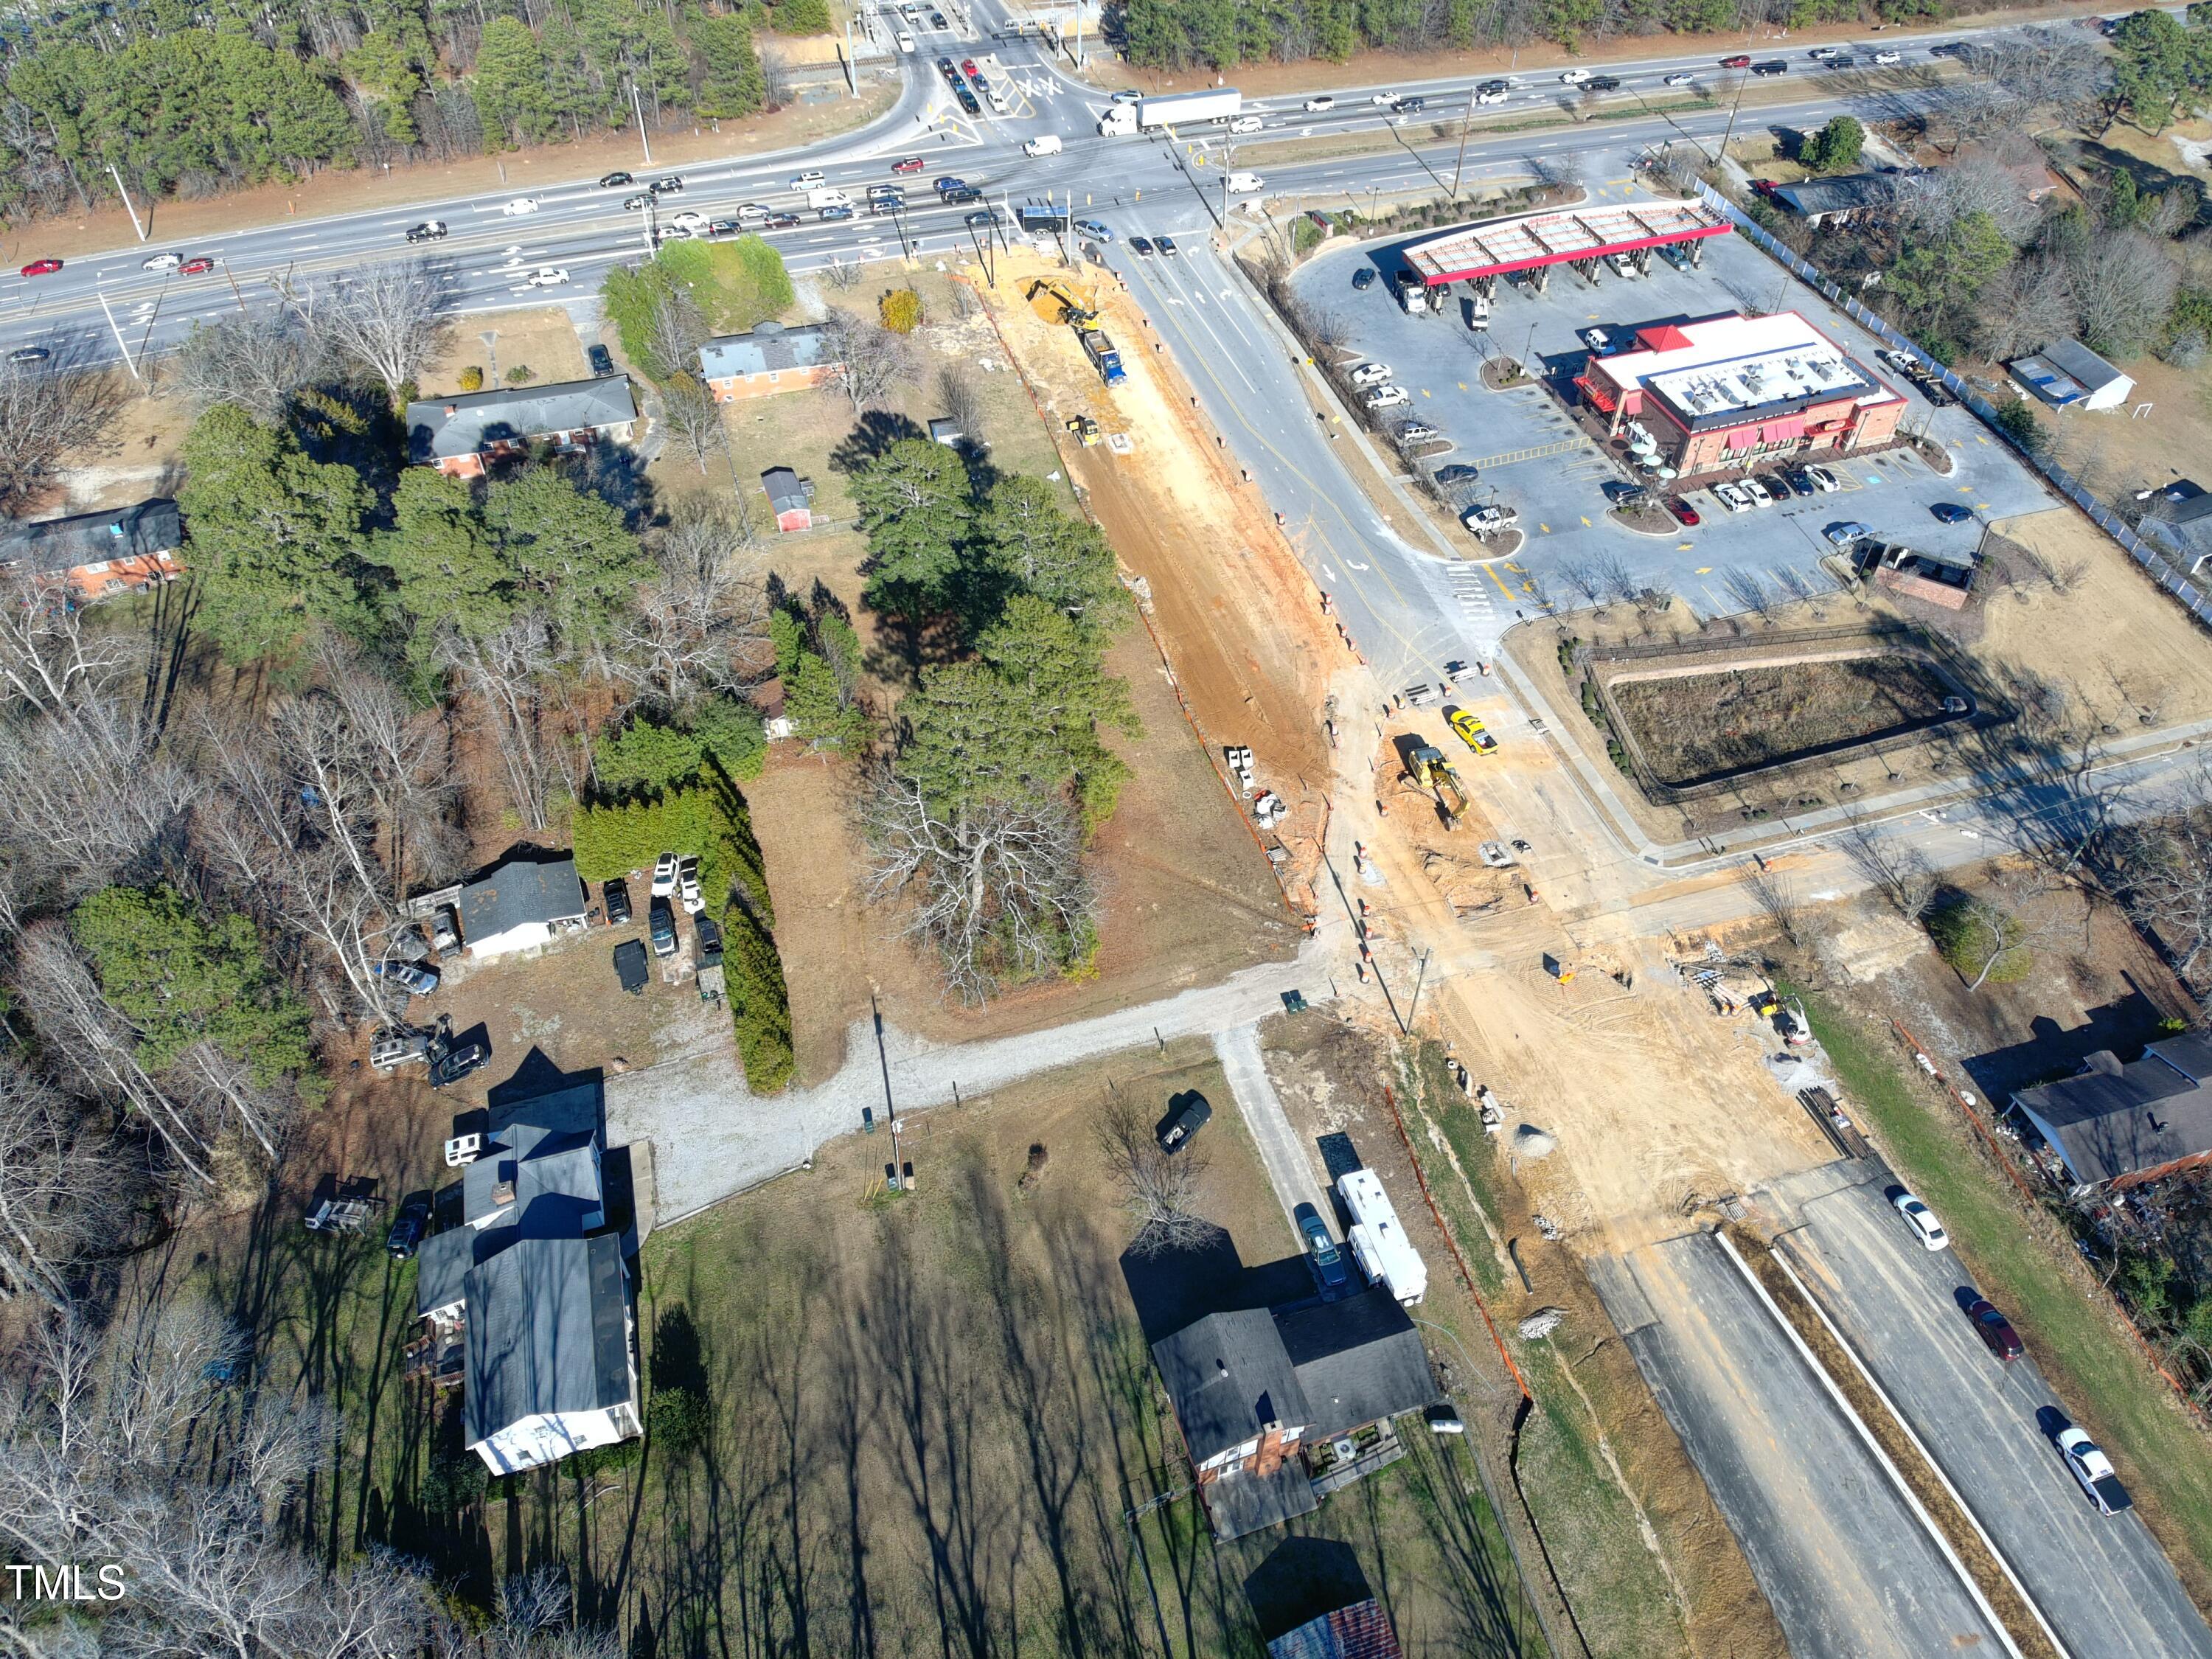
[[1178, 108], [1378, 1240]]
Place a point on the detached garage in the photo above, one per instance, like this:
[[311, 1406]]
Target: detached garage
[[520, 905]]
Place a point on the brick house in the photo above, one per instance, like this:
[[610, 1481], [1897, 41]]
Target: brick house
[[97, 555], [463, 435], [771, 359]]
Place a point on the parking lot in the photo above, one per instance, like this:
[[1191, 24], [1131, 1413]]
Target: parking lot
[[1531, 456]]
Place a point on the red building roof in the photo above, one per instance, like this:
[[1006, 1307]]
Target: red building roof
[[1556, 237]]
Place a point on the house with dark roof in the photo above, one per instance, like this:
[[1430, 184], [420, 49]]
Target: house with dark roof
[[790, 498], [1834, 201], [2178, 518], [96, 556], [2118, 1124], [529, 1300], [520, 904], [770, 359], [1280, 1406], [463, 435]]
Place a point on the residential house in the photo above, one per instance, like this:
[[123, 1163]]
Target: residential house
[[1836, 200], [2067, 375], [2117, 1126], [99, 555], [1361, 1630], [463, 435], [2177, 521], [790, 498], [520, 904], [1280, 1406], [2020, 159], [530, 1300], [771, 359]]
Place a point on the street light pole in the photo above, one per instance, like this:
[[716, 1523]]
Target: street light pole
[[122, 345], [638, 104], [128, 207]]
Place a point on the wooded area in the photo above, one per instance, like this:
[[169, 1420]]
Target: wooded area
[[194, 99]]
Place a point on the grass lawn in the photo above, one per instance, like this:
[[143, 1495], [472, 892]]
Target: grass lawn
[[2092, 1364]]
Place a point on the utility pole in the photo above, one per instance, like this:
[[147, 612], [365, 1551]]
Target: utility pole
[[1413, 1008], [121, 344], [128, 207], [1742, 79], [1466, 121], [638, 104]]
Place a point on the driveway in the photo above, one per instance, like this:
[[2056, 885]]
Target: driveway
[[1290, 1168], [1849, 1571], [713, 1140], [2100, 1581]]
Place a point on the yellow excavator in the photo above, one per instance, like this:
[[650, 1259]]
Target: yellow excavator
[[1073, 309], [1428, 769]]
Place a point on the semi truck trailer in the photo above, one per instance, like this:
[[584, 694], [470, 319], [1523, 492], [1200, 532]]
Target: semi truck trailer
[[1174, 109]]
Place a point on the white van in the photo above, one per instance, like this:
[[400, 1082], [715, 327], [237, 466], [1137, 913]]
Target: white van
[[819, 198], [1048, 145], [1246, 184]]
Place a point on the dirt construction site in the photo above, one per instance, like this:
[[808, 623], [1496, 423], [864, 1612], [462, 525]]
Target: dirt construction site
[[1651, 1108]]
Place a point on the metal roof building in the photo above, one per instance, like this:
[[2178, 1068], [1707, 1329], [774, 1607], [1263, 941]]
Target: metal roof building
[[1498, 247]]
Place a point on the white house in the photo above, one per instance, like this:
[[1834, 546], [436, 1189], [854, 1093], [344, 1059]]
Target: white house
[[520, 905], [2067, 375]]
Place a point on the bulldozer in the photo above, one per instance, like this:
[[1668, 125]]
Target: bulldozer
[[1084, 429], [1428, 769]]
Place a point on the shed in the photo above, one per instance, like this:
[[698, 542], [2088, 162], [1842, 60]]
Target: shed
[[2067, 375], [790, 498], [519, 904], [946, 432]]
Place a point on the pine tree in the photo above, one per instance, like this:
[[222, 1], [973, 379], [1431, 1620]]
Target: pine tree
[[731, 81]]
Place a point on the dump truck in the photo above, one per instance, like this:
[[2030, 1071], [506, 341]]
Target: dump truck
[[1104, 357], [1430, 770], [1216, 104], [1379, 1239]]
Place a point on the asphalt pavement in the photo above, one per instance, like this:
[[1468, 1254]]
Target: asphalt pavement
[[1848, 1568], [2100, 1581]]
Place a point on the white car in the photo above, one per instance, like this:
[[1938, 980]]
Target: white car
[[1758, 492], [808, 180], [905, 41], [161, 261], [547, 277], [664, 875], [1573, 77], [1597, 340], [1126, 95], [519, 205], [1381, 98], [1386, 397], [1680, 80], [2093, 1470], [1823, 480], [1371, 373], [687, 885], [1922, 1221], [1320, 105], [1417, 432], [1886, 59], [1497, 97], [1246, 124], [688, 221], [1734, 497]]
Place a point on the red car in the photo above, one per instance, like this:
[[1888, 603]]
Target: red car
[[1996, 1332], [911, 164], [1742, 60], [198, 266], [1682, 510], [42, 267], [968, 67]]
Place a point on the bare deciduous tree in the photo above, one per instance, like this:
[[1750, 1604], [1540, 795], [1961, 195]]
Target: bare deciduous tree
[[871, 359], [1159, 1190], [1931, 202], [963, 402], [2025, 306], [2123, 284], [1750, 590], [689, 409], [2163, 871], [999, 889], [62, 409], [387, 319], [500, 673], [260, 359], [1775, 895], [700, 625], [1899, 871], [57, 1187]]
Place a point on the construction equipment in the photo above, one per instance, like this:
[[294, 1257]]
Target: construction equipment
[[1086, 430], [1073, 309], [1428, 769]]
